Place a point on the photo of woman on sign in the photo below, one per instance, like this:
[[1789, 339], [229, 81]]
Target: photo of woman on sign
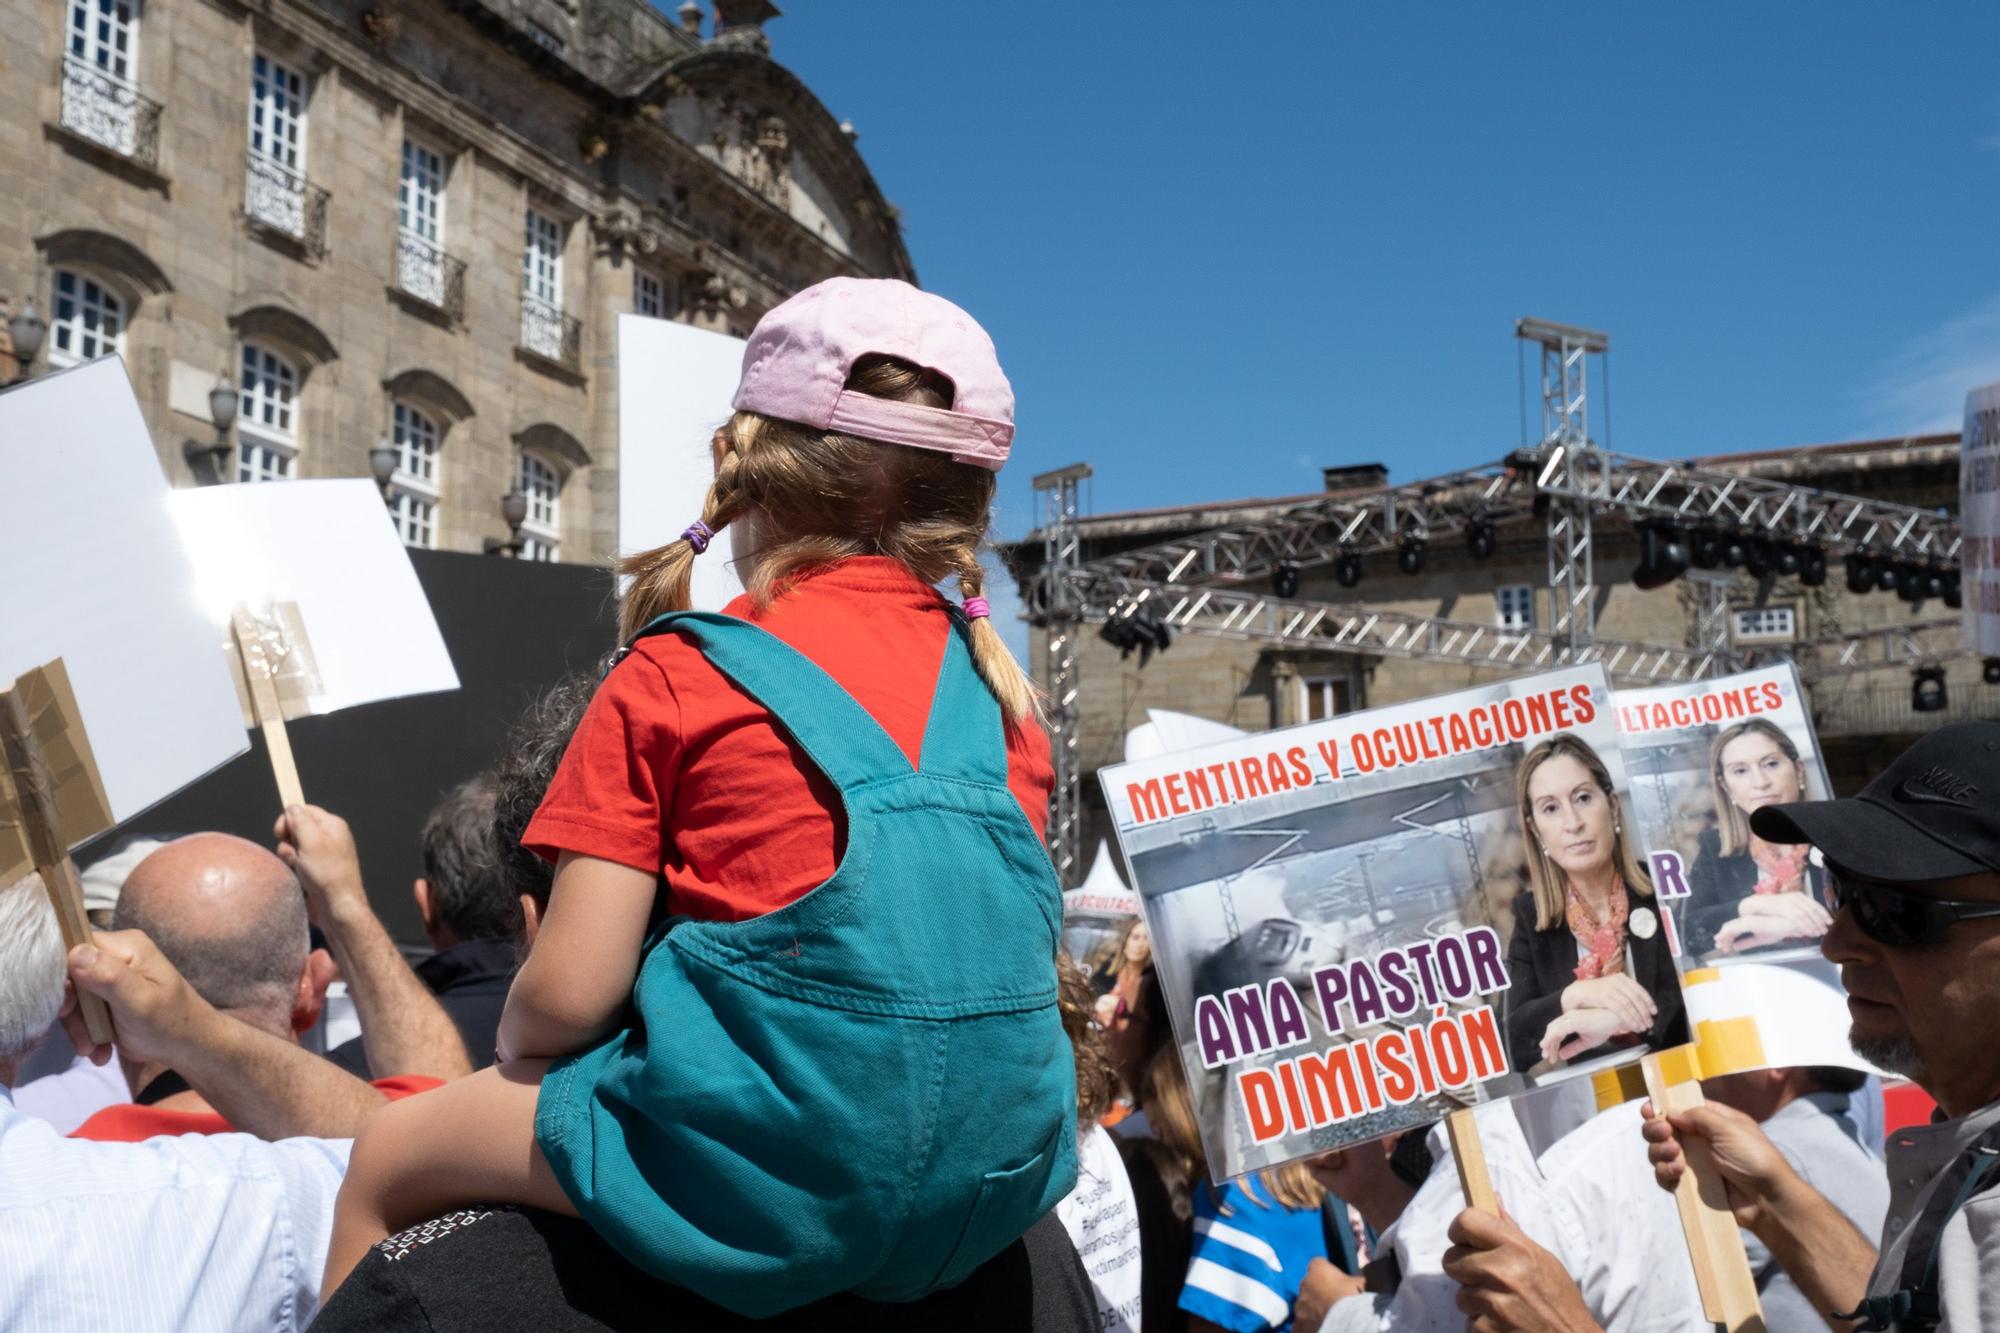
[[1746, 894], [1588, 961]]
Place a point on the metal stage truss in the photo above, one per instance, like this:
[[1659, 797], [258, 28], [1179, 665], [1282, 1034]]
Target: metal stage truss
[[1218, 582]]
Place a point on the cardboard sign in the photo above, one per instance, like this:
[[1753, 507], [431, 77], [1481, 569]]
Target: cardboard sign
[[102, 581], [1979, 519], [675, 384], [339, 616], [51, 766], [1333, 916]]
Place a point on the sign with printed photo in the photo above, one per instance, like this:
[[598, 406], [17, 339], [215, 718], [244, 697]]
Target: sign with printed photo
[[1365, 922]]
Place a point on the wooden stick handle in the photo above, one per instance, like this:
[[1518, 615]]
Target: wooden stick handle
[[47, 846], [1470, 1155], [1721, 1267], [270, 715]]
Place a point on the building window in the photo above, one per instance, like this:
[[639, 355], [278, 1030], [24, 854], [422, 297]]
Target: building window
[[413, 489], [105, 34], [420, 257], [276, 191], [541, 531], [89, 320], [1767, 623], [1321, 697], [1515, 605], [541, 287], [267, 427], [649, 294]]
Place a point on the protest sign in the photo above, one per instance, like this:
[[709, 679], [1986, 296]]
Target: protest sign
[[313, 602], [1703, 756], [1979, 519], [1334, 918], [675, 384], [102, 581]]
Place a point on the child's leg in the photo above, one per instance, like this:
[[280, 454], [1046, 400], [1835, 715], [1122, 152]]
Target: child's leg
[[470, 1141]]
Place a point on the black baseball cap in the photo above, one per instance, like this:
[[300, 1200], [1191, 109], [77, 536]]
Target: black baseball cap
[[1934, 813]]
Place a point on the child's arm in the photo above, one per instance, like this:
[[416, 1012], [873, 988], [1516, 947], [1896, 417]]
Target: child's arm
[[579, 973]]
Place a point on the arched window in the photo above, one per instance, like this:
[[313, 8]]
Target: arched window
[[267, 447], [89, 320], [413, 490], [541, 532]]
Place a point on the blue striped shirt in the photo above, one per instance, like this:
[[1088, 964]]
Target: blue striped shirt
[[202, 1233], [1250, 1255]]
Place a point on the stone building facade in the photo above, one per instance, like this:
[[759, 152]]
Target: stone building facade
[[411, 221], [1863, 718]]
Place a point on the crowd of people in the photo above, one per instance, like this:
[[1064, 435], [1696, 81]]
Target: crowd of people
[[744, 1006]]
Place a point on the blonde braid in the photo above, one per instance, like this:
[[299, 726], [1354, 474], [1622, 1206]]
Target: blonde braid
[[660, 577], [1003, 675]]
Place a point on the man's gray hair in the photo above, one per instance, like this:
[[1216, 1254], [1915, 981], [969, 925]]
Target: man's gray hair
[[253, 969], [32, 966]]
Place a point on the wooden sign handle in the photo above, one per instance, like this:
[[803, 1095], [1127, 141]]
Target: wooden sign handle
[[47, 847], [1721, 1267], [1470, 1156], [270, 716]]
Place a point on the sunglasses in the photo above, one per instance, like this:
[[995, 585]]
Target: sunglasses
[[1897, 919]]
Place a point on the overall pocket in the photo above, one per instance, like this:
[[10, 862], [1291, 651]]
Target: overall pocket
[[1007, 1203]]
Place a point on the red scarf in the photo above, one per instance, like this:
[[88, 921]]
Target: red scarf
[[1780, 875], [1603, 941]]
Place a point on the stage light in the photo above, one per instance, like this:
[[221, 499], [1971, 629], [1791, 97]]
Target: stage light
[[1812, 566], [1934, 581], [1153, 635], [1888, 576], [1927, 692], [1347, 569], [1410, 555], [1785, 559], [1734, 550], [1663, 557], [1989, 671], [1911, 583], [1954, 594], [1285, 580], [1480, 539], [1705, 548], [1860, 574], [1758, 557]]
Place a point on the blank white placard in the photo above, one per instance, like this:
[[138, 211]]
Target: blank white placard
[[97, 576], [675, 384], [329, 548]]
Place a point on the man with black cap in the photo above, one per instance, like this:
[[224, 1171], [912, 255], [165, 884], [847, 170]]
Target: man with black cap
[[1914, 869]]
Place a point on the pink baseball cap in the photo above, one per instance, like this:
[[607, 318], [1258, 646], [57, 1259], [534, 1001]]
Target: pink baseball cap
[[796, 365]]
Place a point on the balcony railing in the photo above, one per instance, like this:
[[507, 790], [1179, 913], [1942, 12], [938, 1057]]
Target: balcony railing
[[548, 333], [282, 200], [99, 106], [425, 271]]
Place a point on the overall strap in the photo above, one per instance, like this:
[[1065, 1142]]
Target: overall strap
[[847, 744], [963, 738]]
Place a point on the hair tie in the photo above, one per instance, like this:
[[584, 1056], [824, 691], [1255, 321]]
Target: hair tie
[[977, 609], [697, 536]]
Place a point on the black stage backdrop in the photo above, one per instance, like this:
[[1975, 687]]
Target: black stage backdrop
[[512, 627]]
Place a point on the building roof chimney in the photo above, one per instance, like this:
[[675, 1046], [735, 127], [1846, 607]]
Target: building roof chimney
[[741, 23], [690, 16], [1355, 476]]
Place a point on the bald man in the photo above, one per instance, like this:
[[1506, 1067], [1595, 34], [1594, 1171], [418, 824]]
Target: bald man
[[233, 919]]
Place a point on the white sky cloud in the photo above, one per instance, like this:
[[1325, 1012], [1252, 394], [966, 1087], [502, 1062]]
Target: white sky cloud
[[1922, 388]]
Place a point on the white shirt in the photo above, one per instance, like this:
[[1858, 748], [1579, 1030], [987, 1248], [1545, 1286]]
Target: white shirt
[[196, 1233], [1103, 1224], [1426, 1299]]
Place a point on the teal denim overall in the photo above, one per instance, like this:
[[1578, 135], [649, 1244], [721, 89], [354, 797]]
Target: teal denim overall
[[868, 1089]]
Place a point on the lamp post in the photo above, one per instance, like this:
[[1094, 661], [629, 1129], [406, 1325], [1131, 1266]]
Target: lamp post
[[25, 330], [382, 460], [514, 509], [209, 463]]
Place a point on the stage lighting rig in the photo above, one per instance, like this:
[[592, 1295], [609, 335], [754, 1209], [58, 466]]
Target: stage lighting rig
[[1347, 568], [1812, 566], [1705, 548], [1410, 554], [1285, 580], [1663, 556], [1480, 539], [1927, 692]]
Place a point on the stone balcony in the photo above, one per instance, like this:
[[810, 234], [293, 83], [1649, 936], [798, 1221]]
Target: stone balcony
[[104, 110], [281, 203], [431, 276]]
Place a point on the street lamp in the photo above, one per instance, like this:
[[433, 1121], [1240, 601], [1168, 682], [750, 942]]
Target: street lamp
[[210, 462], [514, 509], [382, 460], [26, 330]]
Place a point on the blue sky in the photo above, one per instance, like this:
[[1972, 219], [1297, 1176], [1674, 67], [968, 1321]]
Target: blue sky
[[1221, 245]]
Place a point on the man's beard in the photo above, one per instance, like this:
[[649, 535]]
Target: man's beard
[[1898, 1055]]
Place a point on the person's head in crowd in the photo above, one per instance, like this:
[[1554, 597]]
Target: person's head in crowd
[[1127, 950], [810, 496], [1915, 884], [465, 893], [1762, 1093], [521, 777], [231, 918], [1751, 765], [1096, 1080], [104, 878], [31, 971], [1570, 816], [1131, 1041], [1378, 1177]]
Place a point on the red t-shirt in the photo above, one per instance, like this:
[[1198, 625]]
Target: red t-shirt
[[133, 1123], [675, 771]]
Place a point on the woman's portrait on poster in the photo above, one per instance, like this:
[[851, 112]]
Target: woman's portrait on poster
[[1744, 894]]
